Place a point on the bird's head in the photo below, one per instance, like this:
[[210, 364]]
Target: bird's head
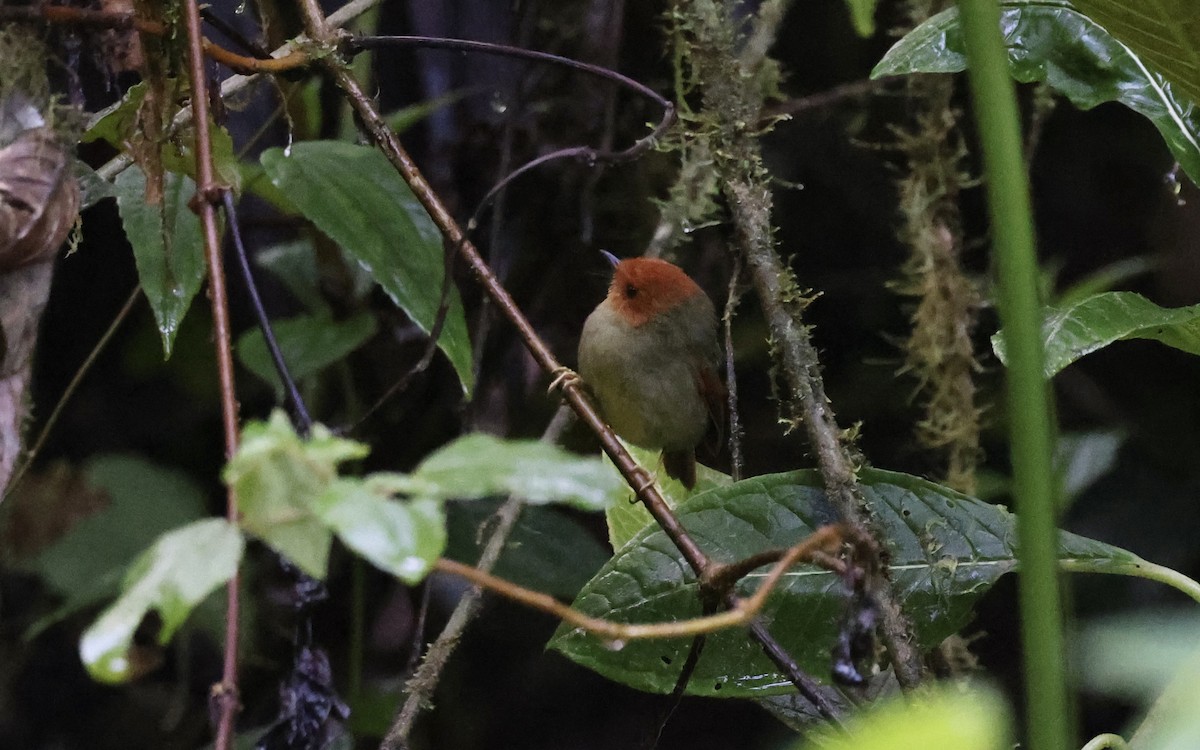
[[643, 288]]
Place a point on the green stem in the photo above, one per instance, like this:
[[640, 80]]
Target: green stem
[[1139, 569], [1028, 399]]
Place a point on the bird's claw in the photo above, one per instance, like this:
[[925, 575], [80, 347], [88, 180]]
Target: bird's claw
[[563, 377]]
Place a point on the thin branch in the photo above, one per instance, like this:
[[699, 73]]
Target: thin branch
[[741, 610], [301, 418], [587, 154], [635, 475], [207, 193], [123, 20], [69, 391]]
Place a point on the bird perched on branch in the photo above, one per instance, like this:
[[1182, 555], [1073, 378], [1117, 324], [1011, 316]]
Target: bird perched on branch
[[649, 353]]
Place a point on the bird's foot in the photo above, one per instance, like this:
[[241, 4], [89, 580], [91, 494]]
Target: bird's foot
[[563, 377], [642, 481]]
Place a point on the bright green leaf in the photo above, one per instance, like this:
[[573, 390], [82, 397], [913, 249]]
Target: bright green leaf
[[173, 576], [481, 465], [1048, 40], [946, 718], [278, 478], [309, 344], [1071, 332], [626, 517], [144, 501], [403, 538], [167, 246], [354, 195], [945, 551]]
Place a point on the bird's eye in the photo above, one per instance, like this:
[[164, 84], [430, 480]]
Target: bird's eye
[[631, 291]]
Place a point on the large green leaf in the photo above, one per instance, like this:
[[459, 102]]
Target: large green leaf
[[480, 465], [182, 568], [144, 501], [1081, 328], [309, 344], [278, 477], [167, 246], [1050, 41], [403, 538], [1166, 33], [945, 550], [353, 194]]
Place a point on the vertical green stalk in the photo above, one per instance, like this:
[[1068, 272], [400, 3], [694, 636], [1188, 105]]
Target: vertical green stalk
[[1028, 399]]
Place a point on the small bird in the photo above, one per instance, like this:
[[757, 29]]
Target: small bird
[[649, 353]]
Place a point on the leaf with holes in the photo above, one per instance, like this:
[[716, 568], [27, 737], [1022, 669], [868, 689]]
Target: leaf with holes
[[1050, 41], [354, 195], [945, 549], [1072, 332]]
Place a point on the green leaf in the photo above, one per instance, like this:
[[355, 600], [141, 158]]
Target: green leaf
[[295, 265], [1166, 33], [309, 344], [173, 576], [167, 246], [401, 538], [547, 551], [945, 550], [481, 465], [945, 718], [862, 15], [1081, 328], [144, 501], [1048, 40], [278, 478], [626, 516], [353, 194]]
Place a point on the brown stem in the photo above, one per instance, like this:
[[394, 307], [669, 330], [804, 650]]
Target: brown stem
[[386, 140], [635, 475], [126, 20], [731, 103], [208, 193]]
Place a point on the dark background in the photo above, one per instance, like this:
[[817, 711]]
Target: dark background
[[1101, 195]]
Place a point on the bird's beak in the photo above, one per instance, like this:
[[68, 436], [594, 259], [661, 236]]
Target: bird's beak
[[611, 258]]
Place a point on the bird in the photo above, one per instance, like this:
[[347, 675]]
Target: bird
[[649, 354]]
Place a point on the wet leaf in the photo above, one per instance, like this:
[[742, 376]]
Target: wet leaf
[[1050, 41], [353, 194], [1074, 331], [167, 246], [945, 551]]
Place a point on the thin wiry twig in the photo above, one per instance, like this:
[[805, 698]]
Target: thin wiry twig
[[301, 419]]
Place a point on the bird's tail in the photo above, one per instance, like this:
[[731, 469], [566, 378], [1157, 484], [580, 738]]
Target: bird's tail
[[681, 465]]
